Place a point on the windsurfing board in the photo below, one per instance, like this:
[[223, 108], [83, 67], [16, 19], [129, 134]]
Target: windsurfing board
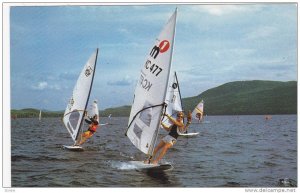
[[72, 147], [140, 165], [188, 134]]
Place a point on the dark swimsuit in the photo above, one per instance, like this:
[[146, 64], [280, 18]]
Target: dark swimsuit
[[173, 131]]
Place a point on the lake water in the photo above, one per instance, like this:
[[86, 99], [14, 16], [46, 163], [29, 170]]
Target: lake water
[[230, 151]]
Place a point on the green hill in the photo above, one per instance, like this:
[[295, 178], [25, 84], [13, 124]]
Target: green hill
[[31, 113], [117, 112], [248, 97], [234, 98]]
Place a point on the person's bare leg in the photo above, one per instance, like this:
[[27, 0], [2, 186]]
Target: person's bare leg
[[82, 141], [85, 136], [157, 148], [162, 153]]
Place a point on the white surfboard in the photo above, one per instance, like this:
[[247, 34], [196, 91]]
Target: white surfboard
[[188, 134], [140, 165], [73, 147]]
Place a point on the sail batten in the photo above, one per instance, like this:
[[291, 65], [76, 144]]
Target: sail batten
[[76, 108], [150, 92]]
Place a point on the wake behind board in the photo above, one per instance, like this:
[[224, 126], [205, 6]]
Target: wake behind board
[[72, 148], [188, 134], [140, 165]]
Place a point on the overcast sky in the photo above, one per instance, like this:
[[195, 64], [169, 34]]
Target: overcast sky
[[214, 44]]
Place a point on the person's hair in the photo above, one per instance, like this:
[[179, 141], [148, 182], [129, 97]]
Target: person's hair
[[180, 113]]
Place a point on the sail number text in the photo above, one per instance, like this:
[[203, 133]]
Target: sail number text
[[156, 50], [145, 83], [153, 68]]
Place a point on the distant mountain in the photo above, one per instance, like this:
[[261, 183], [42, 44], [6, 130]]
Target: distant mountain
[[247, 98], [255, 97], [117, 112], [32, 113]]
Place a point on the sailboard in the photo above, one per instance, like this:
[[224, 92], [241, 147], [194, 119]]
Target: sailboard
[[76, 108], [150, 92], [198, 111], [140, 165], [188, 134]]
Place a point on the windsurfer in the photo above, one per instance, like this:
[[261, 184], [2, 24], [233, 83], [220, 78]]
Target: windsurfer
[[189, 121], [168, 141], [198, 115], [93, 125]]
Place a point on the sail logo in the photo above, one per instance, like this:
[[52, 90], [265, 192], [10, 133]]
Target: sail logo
[[164, 46], [88, 71], [154, 52], [161, 48], [174, 85]]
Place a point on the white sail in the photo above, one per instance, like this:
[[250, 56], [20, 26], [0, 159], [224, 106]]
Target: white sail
[[77, 105], [93, 110], [173, 100], [150, 92], [198, 111], [40, 115]]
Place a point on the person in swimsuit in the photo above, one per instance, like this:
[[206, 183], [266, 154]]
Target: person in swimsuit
[[168, 141], [189, 121], [93, 125]]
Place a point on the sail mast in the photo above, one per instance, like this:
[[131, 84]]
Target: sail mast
[[179, 93], [81, 122]]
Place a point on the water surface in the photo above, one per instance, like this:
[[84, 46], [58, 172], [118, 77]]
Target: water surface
[[242, 151]]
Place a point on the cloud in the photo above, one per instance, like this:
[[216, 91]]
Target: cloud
[[124, 82], [261, 32], [215, 43], [67, 76], [220, 10], [123, 30], [44, 85], [40, 86]]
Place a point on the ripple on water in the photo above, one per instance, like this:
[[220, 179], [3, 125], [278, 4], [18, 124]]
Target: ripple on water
[[230, 151]]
